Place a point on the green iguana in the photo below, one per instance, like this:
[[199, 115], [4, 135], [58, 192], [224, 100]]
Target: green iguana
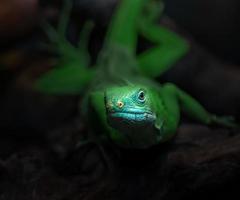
[[133, 110]]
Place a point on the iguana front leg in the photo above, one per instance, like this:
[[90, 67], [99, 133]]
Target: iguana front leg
[[175, 99], [170, 47], [195, 110]]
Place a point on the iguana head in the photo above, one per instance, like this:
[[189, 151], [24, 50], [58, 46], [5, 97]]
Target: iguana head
[[130, 111]]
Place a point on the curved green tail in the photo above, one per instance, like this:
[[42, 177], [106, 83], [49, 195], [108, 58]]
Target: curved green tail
[[124, 24]]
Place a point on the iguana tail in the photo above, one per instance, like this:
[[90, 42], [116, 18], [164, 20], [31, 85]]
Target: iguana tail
[[123, 27]]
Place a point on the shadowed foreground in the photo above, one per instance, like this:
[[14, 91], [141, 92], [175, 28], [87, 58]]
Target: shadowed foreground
[[198, 164]]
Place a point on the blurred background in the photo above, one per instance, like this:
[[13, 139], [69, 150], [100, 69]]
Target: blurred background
[[37, 131], [214, 24]]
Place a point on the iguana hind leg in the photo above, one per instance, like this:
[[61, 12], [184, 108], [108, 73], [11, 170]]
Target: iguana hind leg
[[170, 47]]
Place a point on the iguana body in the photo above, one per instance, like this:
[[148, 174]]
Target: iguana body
[[134, 110]]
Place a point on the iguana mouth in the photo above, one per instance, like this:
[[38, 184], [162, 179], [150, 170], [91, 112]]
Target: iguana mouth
[[133, 116]]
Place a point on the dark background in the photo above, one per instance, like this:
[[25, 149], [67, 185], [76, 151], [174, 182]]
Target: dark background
[[39, 133], [215, 24]]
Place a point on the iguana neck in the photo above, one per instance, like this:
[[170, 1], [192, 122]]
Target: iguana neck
[[116, 63]]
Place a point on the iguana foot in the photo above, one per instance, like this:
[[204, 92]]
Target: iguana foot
[[226, 121]]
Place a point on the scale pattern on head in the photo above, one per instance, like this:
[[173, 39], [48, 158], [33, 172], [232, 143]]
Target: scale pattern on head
[[130, 111], [131, 103]]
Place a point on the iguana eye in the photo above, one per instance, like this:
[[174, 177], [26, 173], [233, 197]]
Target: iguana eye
[[141, 96]]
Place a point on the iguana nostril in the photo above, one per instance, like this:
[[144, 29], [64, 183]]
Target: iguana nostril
[[109, 105], [120, 104]]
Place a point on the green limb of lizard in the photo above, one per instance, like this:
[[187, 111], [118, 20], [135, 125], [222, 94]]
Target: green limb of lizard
[[58, 36], [64, 17], [196, 111], [68, 52], [70, 75], [171, 116], [170, 49], [123, 27]]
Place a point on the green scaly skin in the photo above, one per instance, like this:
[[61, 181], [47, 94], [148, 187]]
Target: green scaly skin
[[136, 111], [133, 110]]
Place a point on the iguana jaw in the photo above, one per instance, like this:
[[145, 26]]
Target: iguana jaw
[[137, 127], [132, 116]]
